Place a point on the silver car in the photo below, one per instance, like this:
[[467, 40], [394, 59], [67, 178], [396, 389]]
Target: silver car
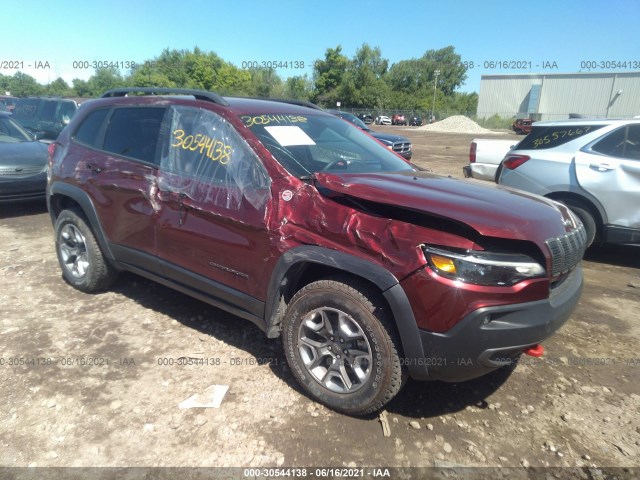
[[592, 166]]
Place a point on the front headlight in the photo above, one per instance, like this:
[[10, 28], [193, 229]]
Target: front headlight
[[481, 267]]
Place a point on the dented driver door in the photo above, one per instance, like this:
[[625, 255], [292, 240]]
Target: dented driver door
[[213, 196]]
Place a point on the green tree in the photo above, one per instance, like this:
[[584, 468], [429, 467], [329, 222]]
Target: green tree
[[5, 83], [59, 88], [192, 69], [23, 85], [449, 63], [410, 76], [102, 80], [328, 75], [363, 83], [416, 77], [230, 80], [298, 87], [80, 88], [265, 83], [147, 77]]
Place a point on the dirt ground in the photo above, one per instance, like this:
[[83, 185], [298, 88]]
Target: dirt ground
[[96, 380]]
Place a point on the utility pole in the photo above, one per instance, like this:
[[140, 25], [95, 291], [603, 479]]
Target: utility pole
[[433, 105]]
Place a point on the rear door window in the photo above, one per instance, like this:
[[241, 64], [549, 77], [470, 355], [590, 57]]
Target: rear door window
[[542, 138], [133, 132], [89, 131], [621, 143]]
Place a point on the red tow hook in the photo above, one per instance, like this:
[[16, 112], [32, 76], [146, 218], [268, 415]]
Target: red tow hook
[[535, 351]]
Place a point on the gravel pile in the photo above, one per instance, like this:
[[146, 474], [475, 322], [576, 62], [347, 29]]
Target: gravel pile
[[456, 124]]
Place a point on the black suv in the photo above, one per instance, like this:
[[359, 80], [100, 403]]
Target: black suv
[[285, 215], [401, 145], [44, 116], [366, 118]]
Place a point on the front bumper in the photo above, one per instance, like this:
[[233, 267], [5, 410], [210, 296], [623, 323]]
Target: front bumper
[[23, 189], [406, 155], [491, 337]]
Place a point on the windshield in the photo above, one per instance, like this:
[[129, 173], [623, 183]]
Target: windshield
[[10, 131], [307, 144], [356, 121]]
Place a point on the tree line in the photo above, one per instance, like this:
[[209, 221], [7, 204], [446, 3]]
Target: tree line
[[365, 81]]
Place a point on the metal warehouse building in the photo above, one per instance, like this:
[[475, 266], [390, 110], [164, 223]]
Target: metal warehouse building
[[560, 95]]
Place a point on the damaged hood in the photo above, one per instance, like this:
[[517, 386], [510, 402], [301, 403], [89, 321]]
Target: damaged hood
[[490, 210]]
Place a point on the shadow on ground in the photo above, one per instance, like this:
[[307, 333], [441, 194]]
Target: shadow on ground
[[22, 209], [620, 255], [416, 399]]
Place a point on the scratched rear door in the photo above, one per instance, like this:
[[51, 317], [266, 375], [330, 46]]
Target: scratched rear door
[[119, 149]]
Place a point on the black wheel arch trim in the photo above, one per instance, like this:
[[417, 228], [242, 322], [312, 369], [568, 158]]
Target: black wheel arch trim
[[86, 204], [579, 196], [391, 289]]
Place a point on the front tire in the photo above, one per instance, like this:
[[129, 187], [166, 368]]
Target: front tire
[[341, 346], [83, 264]]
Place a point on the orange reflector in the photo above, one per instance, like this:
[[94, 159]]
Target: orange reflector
[[443, 263]]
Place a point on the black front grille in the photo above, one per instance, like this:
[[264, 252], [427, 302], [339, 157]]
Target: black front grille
[[402, 147], [567, 250]]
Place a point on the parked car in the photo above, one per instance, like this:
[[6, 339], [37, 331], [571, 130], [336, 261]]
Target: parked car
[[23, 163], [383, 120], [398, 119], [401, 145], [522, 126], [370, 270], [366, 118], [484, 157], [592, 166], [415, 121], [44, 114]]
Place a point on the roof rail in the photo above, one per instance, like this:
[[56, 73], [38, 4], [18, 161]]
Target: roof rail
[[301, 103], [197, 94]]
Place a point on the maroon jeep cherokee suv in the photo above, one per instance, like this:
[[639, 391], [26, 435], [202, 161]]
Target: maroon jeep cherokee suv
[[369, 269]]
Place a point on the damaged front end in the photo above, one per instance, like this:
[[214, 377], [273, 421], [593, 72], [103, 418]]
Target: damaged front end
[[454, 248]]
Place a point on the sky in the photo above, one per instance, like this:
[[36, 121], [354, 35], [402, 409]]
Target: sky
[[45, 38]]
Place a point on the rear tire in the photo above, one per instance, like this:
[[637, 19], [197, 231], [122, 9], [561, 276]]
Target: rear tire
[[83, 264], [587, 219], [341, 347]]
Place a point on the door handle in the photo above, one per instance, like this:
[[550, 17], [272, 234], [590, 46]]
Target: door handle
[[94, 168], [602, 167]]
